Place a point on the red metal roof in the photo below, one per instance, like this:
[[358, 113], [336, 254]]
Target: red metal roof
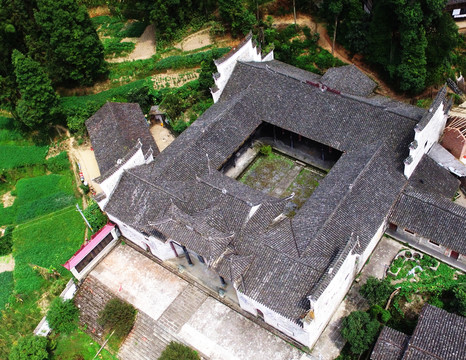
[[89, 246]]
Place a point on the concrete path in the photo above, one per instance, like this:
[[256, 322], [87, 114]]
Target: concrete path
[[286, 181], [172, 309], [330, 343]]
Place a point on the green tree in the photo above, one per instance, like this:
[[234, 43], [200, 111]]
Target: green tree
[[173, 105], [30, 347], [38, 106], [118, 316], [377, 291], [63, 316], [460, 299], [75, 53], [206, 81], [234, 15], [94, 215], [359, 330], [176, 351]]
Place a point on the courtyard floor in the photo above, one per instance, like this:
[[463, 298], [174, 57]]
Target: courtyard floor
[[171, 308]]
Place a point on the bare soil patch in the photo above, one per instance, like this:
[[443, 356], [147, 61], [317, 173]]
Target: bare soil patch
[[162, 136], [145, 47], [7, 263], [8, 199], [84, 155], [195, 41], [99, 11]]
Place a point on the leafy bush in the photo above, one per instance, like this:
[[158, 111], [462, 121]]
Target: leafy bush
[[377, 291], [176, 351], [460, 298], [94, 215], [58, 163], [63, 316], [119, 316], [359, 330], [6, 241], [30, 347], [6, 287], [12, 156], [265, 150], [7, 215]]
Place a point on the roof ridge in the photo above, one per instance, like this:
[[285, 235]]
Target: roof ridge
[[356, 98], [153, 185], [347, 192], [412, 193]]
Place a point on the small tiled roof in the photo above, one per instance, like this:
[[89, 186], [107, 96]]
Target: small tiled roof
[[390, 345], [431, 177], [114, 130], [349, 79], [438, 335], [432, 216]]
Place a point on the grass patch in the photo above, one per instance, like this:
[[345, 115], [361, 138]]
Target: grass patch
[[39, 196], [78, 345], [6, 287], [12, 156], [304, 185], [47, 242], [8, 134]]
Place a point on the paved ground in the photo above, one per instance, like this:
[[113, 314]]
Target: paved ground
[[172, 309], [330, 342], [162, 136]]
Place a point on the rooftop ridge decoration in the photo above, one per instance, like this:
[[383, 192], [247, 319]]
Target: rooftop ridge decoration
[[234, 50]]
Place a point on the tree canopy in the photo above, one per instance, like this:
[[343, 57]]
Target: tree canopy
[[411, 42], [74, 50], [359, 330], [38, 106]]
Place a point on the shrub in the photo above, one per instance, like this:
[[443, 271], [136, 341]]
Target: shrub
[[58, 163], [265, 150], [30, 347], [376, 291], [95, 216], [119, 316], [359, 330], [63, 316], [176, 351], [6, 241]]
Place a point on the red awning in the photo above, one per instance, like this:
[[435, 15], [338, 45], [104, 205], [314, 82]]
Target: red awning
[[89, 246]]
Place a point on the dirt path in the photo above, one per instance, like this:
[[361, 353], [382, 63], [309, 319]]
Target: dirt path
[[8, 199], [195, 41], [162, 136], [145, 47], [326, 42]]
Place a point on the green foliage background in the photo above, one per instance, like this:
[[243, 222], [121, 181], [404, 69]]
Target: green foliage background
[[6, 287]]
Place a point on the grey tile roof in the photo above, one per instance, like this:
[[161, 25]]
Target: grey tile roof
[[114, 130], [182, 196], [431, 177], [390, 345], [438, 335], [349, 79], [432, 216]]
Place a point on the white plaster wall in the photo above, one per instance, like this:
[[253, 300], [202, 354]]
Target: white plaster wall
[[109, 184], [328, 302], [158, 248], [279, 322], [268, 57], [247, 52], [426, 138], [371, 246], [330, 299]]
